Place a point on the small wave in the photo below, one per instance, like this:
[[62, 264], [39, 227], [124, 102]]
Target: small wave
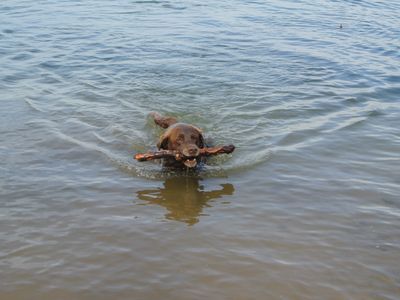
[[346, 124], [88, 145], [148, 2], [297, 145], [245, 161], [22, 56], [381, 209], [33, 105], [155, 171]]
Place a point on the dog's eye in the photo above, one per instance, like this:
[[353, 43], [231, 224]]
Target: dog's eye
[[180, 138], [193, 137]]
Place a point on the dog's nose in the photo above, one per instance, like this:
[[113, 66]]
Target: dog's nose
[[191, 150]]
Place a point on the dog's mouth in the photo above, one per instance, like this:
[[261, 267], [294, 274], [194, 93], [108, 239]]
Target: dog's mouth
[[190, 162]]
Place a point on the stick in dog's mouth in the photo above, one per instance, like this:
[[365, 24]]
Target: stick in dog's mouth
[[188, 161]]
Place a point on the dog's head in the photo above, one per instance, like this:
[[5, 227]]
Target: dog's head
[[187, 139]]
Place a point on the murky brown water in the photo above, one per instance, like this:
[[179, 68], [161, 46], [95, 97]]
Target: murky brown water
[[308, 206]]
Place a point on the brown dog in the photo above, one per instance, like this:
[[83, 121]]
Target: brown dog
[[185, 138]]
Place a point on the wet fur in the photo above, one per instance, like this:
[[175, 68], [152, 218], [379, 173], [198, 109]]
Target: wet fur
[[186, 138]]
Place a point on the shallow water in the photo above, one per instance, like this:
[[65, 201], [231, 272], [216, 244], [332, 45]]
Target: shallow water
[[308, 205]]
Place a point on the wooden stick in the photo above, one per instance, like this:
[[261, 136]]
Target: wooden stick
[[179, 156], [217, 150]]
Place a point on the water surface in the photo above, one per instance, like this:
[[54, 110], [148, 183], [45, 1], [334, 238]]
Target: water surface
[[308, 205]]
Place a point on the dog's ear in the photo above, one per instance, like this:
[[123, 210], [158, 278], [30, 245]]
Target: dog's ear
[[201, 144], [163, 143]]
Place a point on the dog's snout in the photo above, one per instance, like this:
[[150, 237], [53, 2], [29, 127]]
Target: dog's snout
[[191, 150]]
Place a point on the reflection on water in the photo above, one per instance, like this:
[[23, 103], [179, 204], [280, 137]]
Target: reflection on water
[[184, 197]]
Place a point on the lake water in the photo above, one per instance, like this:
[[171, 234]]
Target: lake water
[[307, 207]]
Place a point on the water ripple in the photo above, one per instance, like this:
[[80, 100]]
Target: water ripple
[[307, 91]]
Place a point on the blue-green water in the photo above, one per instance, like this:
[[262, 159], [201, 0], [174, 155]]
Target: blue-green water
[[307, 207]]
